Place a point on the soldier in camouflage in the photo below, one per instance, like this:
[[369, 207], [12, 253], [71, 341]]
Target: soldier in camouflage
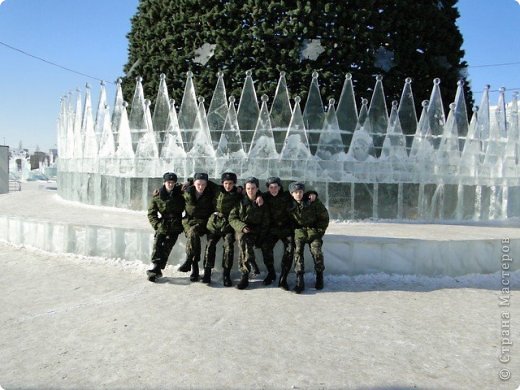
[[226, 198], [251, 222], [165, 216], [311, 220], [199, 207], [281, 228]]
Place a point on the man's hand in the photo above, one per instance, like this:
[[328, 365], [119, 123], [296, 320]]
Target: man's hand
[[259, 201], [247, 229]]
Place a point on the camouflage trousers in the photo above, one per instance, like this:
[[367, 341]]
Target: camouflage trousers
[[288, 251], [246, 245], [228, 249], [193, 235], [316, 252], [162, 247]]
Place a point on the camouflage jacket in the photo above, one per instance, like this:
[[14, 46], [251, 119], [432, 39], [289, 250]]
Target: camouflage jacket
[[165, 210], [224, 202], [248, 213], [199, 210], [310, 219]]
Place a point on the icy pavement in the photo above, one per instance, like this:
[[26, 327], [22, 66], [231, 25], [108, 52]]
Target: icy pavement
[[71, 322]]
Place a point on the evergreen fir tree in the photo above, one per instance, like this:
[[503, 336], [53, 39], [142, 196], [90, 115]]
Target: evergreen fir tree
[[397, 39]]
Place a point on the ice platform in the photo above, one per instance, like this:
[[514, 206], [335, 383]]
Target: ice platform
[[37, 217]]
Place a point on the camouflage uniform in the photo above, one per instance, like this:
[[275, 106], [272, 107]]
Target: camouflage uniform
[[218, 227], [165, 216], [248, 214], [311, 220], [198, 211]]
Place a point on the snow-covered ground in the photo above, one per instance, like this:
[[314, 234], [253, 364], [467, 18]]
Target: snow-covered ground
[[82, 322], [73, 322]]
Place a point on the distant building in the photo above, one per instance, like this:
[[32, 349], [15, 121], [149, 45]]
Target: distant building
[[4, 169], [37, 158]]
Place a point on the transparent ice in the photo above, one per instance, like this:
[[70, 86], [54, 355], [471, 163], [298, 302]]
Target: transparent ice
[[369, 163]]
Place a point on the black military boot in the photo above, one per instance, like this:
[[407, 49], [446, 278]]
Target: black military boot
[[244, 282], [300, 285], [207, 275], [319, 280], [154, 273], [227, 277], [186, 266], [282, 283], [194, 277], [271, 275]]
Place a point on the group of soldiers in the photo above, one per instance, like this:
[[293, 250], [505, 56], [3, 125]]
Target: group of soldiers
[[245, 214]]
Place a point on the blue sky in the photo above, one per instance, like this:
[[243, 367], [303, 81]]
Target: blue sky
[[90, 37]]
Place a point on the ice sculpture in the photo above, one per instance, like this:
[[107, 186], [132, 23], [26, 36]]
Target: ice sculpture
[[512, 152], [77, 129], [248, 111], [107, 145], [406, 110], [436, 116], [173, 154], [330, 146], [262, 153], [296, 158], [394, 150], [314, 114], [281, 112], [118, 108], [202, 153], [90, 148], [125, 149], [470, 157], [347, 111], [188, 111], [218, 108], [100, 112], [161, 112], [230, 152], [448, 169], [137, 120], [378, 115]]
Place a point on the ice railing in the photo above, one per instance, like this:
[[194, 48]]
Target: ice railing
[[336, 144]]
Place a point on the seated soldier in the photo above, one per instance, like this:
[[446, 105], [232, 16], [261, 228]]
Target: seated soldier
[[250, 221], [311, 219], [281, 228], [165, 216], [199, 207], [226, 198]]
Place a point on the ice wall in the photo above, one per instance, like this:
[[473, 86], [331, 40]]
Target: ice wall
[[366, 164], [345, 250]]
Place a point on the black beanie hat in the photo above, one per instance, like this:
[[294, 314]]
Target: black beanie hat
[[170, 176]]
